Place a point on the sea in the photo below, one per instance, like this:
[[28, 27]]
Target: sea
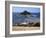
[[18, 18]]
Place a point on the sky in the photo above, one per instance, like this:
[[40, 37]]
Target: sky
[[22, 9]]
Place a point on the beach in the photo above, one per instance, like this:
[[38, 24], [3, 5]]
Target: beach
[[18, 28]]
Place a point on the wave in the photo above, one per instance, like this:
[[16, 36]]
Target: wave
[[17, 18]]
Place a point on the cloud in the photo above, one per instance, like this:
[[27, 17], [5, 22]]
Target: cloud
[[29, 9]]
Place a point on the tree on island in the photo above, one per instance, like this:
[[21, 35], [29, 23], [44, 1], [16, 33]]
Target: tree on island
[[25, 13]]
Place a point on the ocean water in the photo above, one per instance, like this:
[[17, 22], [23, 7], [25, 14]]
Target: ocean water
[[17, 18]]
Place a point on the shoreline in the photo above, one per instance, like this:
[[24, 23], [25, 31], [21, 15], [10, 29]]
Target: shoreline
[[28, 24]]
